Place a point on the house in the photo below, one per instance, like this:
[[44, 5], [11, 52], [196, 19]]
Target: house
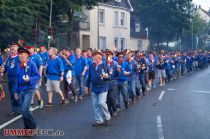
[[106, 26], [139, 35], [206, 16], [109, 26]]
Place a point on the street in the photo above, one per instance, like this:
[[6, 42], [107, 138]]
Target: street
[[180, 110]]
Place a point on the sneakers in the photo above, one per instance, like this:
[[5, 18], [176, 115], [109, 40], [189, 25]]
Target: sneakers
[[97, 124], [126, 105], [66, 101], [80, 98], [75, 99], [31, 107], [49, 104], [41, 103], [63, 102], [115, 113]]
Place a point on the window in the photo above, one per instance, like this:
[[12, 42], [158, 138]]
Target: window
[[137, 27], [116, 42], [101, 16], [139, 45], [116, 18], [122, 43], [102, 43], [122, 19]]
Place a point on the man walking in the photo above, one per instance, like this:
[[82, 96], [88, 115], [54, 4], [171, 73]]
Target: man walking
[[98, 78]]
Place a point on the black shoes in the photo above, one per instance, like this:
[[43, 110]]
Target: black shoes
[[105, 123]]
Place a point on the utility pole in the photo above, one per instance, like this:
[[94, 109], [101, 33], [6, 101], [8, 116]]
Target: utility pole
[[50, 23], [192, 34]]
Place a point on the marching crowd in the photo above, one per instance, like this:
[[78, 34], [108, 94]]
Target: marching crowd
[[106, 75]]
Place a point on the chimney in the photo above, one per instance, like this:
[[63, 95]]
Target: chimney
[[199, 6]]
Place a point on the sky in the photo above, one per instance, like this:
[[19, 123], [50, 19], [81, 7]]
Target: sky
[[205, 4]]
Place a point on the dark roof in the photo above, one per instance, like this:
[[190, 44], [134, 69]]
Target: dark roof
[[124, 4], [140, 35], [207, 13]]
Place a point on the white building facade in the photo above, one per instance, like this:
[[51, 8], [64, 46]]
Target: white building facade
[[109, 26]]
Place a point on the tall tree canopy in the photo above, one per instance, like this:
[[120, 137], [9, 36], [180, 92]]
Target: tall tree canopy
[[165, 18]]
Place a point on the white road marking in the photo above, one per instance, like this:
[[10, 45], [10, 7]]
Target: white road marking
[[161, 95], [171, 89], [159, 127], [205, 92], [15, 119]]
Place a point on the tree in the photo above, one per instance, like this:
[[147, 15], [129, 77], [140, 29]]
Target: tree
[[18, 18], [67, 9], [164, 18], [15, 19]]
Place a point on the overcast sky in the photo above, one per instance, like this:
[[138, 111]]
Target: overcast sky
[[205, 4]]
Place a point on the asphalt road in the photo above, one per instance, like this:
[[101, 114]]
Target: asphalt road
[[180, 110]]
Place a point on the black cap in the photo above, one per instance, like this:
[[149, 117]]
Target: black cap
[[109, 53], [120, 53], [23, 50]]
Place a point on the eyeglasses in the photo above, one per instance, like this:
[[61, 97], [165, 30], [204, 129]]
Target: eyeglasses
[[120, 57]]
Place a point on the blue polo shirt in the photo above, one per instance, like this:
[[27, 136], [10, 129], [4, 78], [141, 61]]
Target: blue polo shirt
[[33, 74], [133, 66], [67, 67], [80, 64], [54, 68], [112, 70], [99, 85], [125, 66], [90, 62], [44, 57], [37, 60], [12, 68]]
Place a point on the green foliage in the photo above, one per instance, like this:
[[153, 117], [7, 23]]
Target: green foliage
[[165, 18], [18, 18]]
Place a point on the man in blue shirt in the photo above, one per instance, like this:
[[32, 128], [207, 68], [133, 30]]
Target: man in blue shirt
[[27, 79], [34, 57], [55, 73], [81, 66], [112, 88], [68, 63], [44, 55], [124, 71], [98, 78], [12, 70], [132, 78]]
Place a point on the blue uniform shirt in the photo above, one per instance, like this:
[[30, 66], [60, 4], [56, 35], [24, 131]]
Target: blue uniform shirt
[[33, 73], [90, 62], [67, 67], [37, 60], [12, 67], [99, 85], [133, 66], [44, 57], [124, 67], [80, 64], [112, 70], [54, 68]]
